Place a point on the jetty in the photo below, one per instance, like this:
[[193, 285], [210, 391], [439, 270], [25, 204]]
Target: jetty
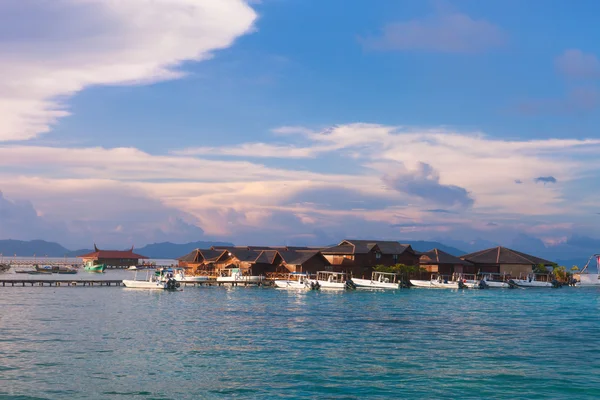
[[111, 282], [60, 282]]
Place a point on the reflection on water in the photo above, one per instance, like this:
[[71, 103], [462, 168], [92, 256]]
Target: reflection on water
[[213, 342]]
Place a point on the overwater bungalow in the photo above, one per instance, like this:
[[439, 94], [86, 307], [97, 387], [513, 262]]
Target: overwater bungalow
[[438, 261], [502, 260], [360, 256], [113, 258]]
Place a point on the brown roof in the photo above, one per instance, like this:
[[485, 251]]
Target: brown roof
[[503, 255], [366, 246], [437, 256], [198, 255], [267, 256], [113, 254], [299, 257]]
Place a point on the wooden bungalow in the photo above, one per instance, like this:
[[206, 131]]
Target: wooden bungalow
[[200, 260], [504, 261], [438, 261], [360, 256], [308, 261], [113, 258]]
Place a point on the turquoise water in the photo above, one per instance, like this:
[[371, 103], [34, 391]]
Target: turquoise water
[[93, 343]]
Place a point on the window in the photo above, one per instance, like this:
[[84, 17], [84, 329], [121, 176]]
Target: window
[[395, 257], [378, 255]]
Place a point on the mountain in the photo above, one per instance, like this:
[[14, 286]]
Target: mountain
[[39, 248], [424, 245], [168, 250]]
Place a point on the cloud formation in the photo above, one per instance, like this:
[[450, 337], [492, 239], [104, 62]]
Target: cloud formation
[[574, 63], [424, 183], [69, 45], [545, 179], [442, 32]]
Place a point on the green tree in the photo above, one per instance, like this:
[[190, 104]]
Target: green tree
[[560, 272], [574, 268], [540, 269]]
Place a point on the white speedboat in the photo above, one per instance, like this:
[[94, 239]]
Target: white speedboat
[[329, 280], [297, 282], [530, 281], [235, 275], [132, 268], [161, 280], [379, 280], [180, 276], [436, 282], [483, 281]]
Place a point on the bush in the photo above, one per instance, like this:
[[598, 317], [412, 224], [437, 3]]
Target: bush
[[400, 269]]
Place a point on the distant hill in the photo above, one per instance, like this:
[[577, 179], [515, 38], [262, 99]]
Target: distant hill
[[170, 250], [423, 245], [39, 248]]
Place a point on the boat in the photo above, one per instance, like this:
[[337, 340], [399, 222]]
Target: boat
[[161, 279], [180, 276], [298, 281], [483, 281], [329, 280], [133, 268], [235, 275], [494, 280], [379, 280], [585, 278], [530, 281], [94, 267], [55, 269], [437, 282]]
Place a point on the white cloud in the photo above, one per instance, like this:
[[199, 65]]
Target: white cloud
[[68, 45]]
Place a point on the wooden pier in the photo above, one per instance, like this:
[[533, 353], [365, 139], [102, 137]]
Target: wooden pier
[[59, 282], [114, 282]]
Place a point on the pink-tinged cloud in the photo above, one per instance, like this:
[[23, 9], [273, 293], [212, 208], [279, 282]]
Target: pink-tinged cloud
[[574, 63], [445, 32]]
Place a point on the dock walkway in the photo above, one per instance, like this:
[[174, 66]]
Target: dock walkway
[[114, 282], [60, 282]]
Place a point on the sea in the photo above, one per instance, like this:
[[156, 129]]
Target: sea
[[259, 342]]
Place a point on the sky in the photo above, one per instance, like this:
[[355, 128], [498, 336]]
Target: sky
[[299, 122]]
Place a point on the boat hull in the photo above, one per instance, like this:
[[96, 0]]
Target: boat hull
[[293, 285], [370, 284], [240, 279], [95, 268], [326, 285], [532, 284], [433, 284], [145, 285], [191, 279]]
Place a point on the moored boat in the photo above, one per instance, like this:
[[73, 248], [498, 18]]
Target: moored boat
[[297, 281], [160, 280], [180, 276], [530, 281], [437, 282], [334, 280], [94, 267], [379, 280], [235, 275]]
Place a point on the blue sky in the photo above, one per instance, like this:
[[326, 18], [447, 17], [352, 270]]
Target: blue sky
[[296, 121]]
